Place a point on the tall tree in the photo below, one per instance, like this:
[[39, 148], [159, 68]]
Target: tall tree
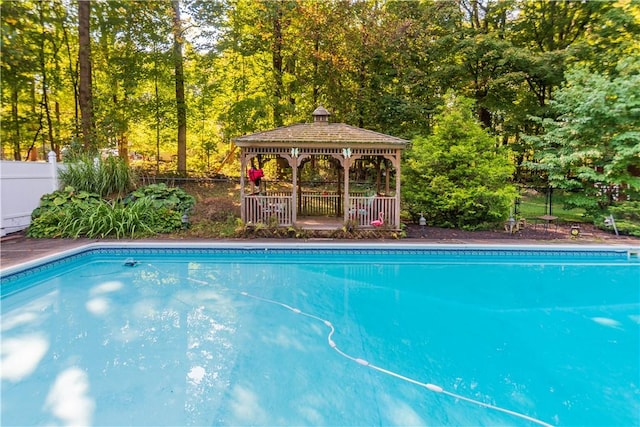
[[19, 61], [319, 59], [62, 16], [594, 144], [547, 29], [45, 78], [276, 14], [85, 95], [267, 26], [418, 59], [181, 104], [480, 63], [613, 36]]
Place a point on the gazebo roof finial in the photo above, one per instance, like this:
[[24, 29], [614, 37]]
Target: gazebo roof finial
[[321, 115]]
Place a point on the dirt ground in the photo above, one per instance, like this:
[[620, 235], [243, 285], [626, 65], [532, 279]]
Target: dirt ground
[[531, 232]]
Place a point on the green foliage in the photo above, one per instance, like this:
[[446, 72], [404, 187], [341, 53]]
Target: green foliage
[[60, 208], [113, 219], [106, 177], [261, 230], [67, 196], [615, 37], [534, 204], [68, 213], [626, 216], [162, 196], [204, 228], [594, 144], [457, 177]]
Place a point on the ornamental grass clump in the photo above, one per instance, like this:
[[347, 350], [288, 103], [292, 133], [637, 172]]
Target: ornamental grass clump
[[108, 177]]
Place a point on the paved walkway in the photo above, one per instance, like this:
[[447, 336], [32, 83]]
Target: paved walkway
[[17, 249]]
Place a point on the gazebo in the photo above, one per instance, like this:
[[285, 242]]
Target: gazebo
[[341, 145]]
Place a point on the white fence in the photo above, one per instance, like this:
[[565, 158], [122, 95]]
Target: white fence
[[22, 184]]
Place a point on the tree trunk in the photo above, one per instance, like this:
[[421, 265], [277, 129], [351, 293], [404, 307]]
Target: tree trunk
[[45, 83], [316, 79], [73, 72], [276, 58], [121, 136], [32, 94], [85, 97], [180, 99], [157, 109], [15, 118]]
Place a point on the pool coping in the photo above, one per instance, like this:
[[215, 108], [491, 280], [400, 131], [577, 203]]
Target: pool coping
[[631, 250]]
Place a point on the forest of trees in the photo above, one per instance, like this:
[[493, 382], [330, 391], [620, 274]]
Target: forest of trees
[[176, 80]]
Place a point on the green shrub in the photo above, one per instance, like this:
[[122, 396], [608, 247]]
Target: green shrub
[[69, 195], [68, 213], [626, 216], [58, 209], [162, 196], [457, 177]]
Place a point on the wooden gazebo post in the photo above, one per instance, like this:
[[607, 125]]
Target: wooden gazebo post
[[243, 168], [346, 166], [396, 164]]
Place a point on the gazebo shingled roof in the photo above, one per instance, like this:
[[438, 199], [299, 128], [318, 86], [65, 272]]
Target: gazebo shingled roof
[[320, 131], [338, 133]]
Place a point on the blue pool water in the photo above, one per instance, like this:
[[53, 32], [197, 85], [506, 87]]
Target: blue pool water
[[347, 336]]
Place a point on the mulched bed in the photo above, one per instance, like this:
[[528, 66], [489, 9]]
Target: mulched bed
[[530, 232]]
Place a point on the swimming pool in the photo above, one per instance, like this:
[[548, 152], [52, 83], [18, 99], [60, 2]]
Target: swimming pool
[[323, 335]]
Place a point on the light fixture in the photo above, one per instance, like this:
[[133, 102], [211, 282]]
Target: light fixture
[[575, 231]]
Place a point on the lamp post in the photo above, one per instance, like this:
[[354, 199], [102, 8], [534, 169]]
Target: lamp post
[[423, 223], [185, 221]]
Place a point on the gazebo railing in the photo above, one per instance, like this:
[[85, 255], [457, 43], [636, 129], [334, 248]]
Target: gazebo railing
[[262, 208], [365, 210], [320, 204], [317, 203]]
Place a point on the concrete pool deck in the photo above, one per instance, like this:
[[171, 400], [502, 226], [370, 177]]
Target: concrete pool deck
[[17, 248]]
